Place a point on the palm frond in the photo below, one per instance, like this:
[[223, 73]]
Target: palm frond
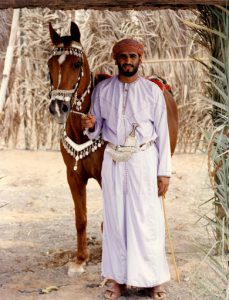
[[213, 32]]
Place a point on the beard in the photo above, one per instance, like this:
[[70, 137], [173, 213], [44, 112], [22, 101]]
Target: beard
[[128, 73]]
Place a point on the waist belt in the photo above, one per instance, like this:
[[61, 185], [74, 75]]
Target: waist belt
[[132, 149], [123, 153]]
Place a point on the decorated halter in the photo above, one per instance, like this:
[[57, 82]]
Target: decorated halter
[[70, 95], [77, 151]]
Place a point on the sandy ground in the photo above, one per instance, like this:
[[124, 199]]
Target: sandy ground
[[38, 234]]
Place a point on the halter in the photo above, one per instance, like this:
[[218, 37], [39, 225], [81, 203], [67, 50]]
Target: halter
[[77, 151], [67, 95]]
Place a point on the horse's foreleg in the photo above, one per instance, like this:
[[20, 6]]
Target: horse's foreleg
[[78, 190]]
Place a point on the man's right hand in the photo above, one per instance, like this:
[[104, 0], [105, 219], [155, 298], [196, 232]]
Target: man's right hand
[[88, 121]]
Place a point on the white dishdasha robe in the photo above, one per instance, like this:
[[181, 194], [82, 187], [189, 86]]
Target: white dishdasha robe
[[133, 250]]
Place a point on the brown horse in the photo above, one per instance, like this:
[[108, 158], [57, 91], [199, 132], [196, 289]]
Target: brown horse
[[71, 89]]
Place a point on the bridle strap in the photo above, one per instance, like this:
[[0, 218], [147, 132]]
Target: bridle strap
[[79, 101], [70, 95]]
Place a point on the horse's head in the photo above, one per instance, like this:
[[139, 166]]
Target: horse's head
[[68, 70]]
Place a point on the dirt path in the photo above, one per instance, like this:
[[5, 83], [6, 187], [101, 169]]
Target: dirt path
[[38, 234]]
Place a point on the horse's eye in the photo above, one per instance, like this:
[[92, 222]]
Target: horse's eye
[[77, 64]]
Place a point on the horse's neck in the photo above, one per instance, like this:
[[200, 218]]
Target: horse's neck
[[74, 129], [73, 125], [84, 84]]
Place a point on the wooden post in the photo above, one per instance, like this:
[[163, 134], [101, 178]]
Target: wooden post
[[9, 58], [109, 4]]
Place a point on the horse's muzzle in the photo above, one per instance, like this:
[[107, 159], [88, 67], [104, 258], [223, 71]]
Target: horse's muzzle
[[60, 110]]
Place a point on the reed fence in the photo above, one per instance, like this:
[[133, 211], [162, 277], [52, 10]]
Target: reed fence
[[169, 51]]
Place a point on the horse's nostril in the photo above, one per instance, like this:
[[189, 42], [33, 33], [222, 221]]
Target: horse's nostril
[[51, 110], [64, 108]]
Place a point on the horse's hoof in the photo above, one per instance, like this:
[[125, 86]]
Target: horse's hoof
[[75, 269]]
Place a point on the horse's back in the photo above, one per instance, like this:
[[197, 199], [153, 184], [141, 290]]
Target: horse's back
[[172, 113]]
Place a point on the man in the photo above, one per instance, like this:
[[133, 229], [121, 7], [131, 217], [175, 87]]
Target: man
[[126, 106]]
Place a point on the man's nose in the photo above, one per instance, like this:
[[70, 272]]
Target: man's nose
[[128, 60]]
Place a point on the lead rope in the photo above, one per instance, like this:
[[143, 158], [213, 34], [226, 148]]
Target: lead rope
[[170, 240]]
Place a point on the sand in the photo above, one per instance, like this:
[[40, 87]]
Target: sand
[[38, 232]]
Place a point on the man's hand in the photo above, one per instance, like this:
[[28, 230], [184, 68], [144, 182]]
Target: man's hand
[[88, 121], [163, 184]]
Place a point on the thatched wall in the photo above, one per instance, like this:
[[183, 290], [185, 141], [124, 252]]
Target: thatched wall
[[5, 22], [169, 46]]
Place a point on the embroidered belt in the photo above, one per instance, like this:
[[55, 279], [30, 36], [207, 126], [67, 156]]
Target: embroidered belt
[[131, 149], [124, 153]]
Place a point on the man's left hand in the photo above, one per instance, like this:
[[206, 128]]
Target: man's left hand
[[163, 184]]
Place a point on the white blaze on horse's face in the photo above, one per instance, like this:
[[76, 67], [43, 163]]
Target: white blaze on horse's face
[[61, 59], [57, 110]]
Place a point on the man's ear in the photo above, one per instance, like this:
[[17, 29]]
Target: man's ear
[[140, 59]]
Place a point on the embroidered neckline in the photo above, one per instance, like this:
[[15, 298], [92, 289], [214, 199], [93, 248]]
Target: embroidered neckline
[[129, 83]]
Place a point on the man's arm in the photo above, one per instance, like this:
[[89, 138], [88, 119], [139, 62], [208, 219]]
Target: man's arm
[[163, 144], [93, 122]]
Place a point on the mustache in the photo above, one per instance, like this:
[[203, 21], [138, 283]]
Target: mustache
[[127, 65]]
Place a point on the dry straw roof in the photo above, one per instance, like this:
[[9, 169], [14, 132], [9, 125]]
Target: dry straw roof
[[108, 4]]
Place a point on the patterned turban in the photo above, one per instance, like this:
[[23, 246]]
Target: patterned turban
[[128, 45]]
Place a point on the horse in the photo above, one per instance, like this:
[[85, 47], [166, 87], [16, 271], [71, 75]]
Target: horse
[[71, 89]]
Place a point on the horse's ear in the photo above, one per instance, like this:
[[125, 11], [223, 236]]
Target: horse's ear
[[75, 33], [55, 37]]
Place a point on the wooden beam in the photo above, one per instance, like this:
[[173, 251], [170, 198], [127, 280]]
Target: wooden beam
[[109, 4], [9, 58]]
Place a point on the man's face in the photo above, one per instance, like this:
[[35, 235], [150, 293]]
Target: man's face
[[128, 63]]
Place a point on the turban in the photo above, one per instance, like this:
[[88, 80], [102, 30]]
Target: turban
[[127, 45]]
